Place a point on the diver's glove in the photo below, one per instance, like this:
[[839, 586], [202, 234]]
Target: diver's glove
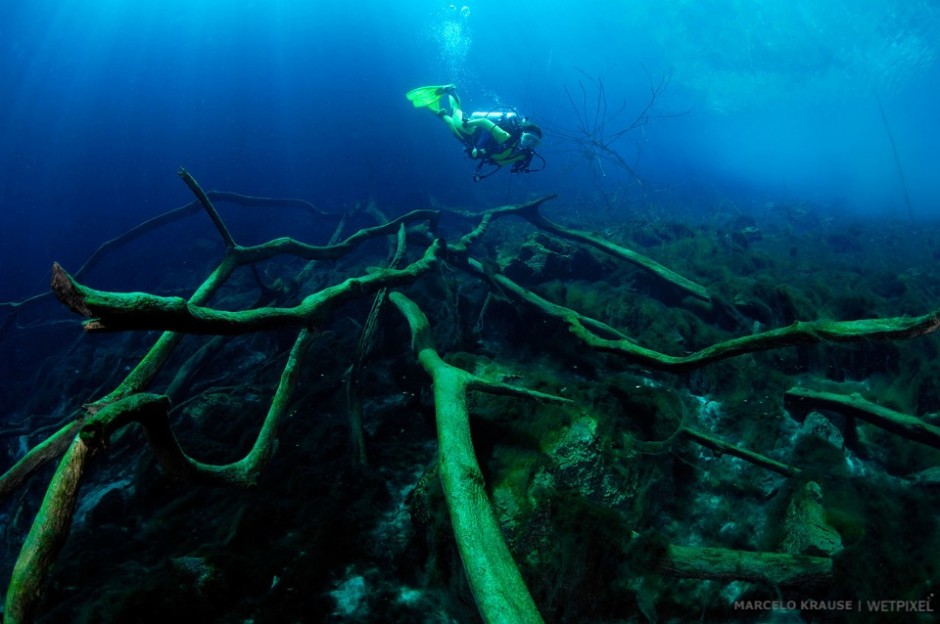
[[477, 153]]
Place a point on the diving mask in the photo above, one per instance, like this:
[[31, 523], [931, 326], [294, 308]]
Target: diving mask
[[528, 140]]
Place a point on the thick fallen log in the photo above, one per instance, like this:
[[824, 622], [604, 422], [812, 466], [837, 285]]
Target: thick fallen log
[[723, 564]]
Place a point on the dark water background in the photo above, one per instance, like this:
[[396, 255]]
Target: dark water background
[[102, 100]]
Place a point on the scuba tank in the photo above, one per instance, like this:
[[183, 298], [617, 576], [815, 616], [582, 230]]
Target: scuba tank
[[503, 119]]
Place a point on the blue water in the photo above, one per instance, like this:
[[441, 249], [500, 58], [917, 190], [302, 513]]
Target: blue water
[[102, 100], [708, 110]]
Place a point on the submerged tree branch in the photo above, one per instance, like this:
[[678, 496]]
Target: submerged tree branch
[[36, 457], [796, 334], [208, 207], [800, 401], [530, 212], [498, 588], [111, 311], [720, 446], [51, 526]]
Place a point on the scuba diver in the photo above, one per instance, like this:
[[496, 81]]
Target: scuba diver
[[495, 138]]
